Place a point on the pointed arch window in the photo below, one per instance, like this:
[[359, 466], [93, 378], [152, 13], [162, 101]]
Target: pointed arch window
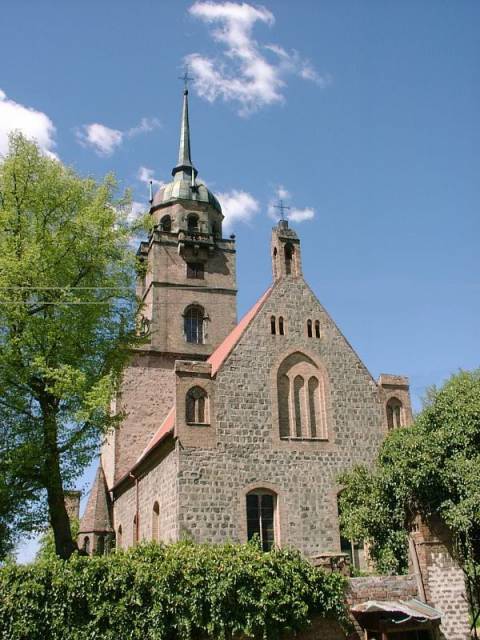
[[309, 328], [261, 511], [317, 328], [281, 326], [193, 322], [166, 223], [86, 544], [394, 413], [196, 406]]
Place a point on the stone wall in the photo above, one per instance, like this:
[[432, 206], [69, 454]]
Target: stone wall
[[247, 451], [442, 578]]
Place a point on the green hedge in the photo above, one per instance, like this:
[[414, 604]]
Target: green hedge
[[157, 592]]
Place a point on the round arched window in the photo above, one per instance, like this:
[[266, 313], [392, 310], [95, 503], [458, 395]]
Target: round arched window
[[193, 324]]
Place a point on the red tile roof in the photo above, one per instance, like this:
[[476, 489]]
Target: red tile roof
[[221, 353], [165, 428]]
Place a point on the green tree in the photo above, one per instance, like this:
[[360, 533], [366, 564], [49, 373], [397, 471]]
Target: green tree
[[431, 469], [67, 309]]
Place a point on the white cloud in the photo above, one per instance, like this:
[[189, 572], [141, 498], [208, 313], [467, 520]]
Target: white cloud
[[105, 140], [144, 126], [145, 174], [243, 73], [300, 215], [237, 206], [34, 125], [101, 138], [291, 213]]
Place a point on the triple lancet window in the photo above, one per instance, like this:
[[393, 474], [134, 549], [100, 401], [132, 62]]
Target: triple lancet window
[[301, 389], [261, 507]]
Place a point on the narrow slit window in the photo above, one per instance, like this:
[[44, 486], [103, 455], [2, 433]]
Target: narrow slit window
[[273, 327], [288, 251], [281, 328], [317, 329], [309, 328]]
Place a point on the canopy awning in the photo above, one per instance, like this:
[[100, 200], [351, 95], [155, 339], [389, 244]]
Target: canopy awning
[[401, 611]]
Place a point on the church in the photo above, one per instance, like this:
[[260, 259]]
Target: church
[[240, 429]]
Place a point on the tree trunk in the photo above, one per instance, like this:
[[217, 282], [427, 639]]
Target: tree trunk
[[58, 516]]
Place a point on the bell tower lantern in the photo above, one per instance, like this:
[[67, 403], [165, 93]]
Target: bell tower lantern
[[189, 290]]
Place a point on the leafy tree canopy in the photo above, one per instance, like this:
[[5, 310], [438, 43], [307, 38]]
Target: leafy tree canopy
[[431, 469], [67, 309]]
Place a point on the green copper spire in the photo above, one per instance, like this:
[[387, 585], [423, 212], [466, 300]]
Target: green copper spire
[[184, 168]]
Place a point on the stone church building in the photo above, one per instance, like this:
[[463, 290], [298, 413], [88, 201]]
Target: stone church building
[[234, 429]]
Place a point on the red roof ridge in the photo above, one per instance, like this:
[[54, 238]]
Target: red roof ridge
[[162, 432], [165, 428], [224, 349]]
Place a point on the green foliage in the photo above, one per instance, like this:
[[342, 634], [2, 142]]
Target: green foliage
[[431, 469], [46, 550], [181, 591], [67, 313]]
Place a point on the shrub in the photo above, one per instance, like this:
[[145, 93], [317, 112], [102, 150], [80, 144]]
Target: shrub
[[167, 592]]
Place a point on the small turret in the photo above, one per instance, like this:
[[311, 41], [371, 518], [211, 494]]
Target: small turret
[[286, 256]]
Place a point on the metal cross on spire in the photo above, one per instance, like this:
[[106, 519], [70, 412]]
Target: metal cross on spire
[[186, 79], [283, 207]]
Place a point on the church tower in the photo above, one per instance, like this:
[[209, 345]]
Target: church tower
[[188, 290]]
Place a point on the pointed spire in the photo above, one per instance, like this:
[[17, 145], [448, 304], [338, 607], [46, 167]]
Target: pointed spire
[[184, 165]]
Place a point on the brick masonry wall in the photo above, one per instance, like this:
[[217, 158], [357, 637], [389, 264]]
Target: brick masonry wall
[[158, 483], [248, 452], [442, 578], [147, 395], [445, 590]]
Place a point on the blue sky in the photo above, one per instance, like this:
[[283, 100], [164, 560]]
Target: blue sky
[[363, 114]]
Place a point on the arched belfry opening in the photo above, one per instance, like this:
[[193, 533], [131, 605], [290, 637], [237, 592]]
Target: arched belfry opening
[[288, 251]]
